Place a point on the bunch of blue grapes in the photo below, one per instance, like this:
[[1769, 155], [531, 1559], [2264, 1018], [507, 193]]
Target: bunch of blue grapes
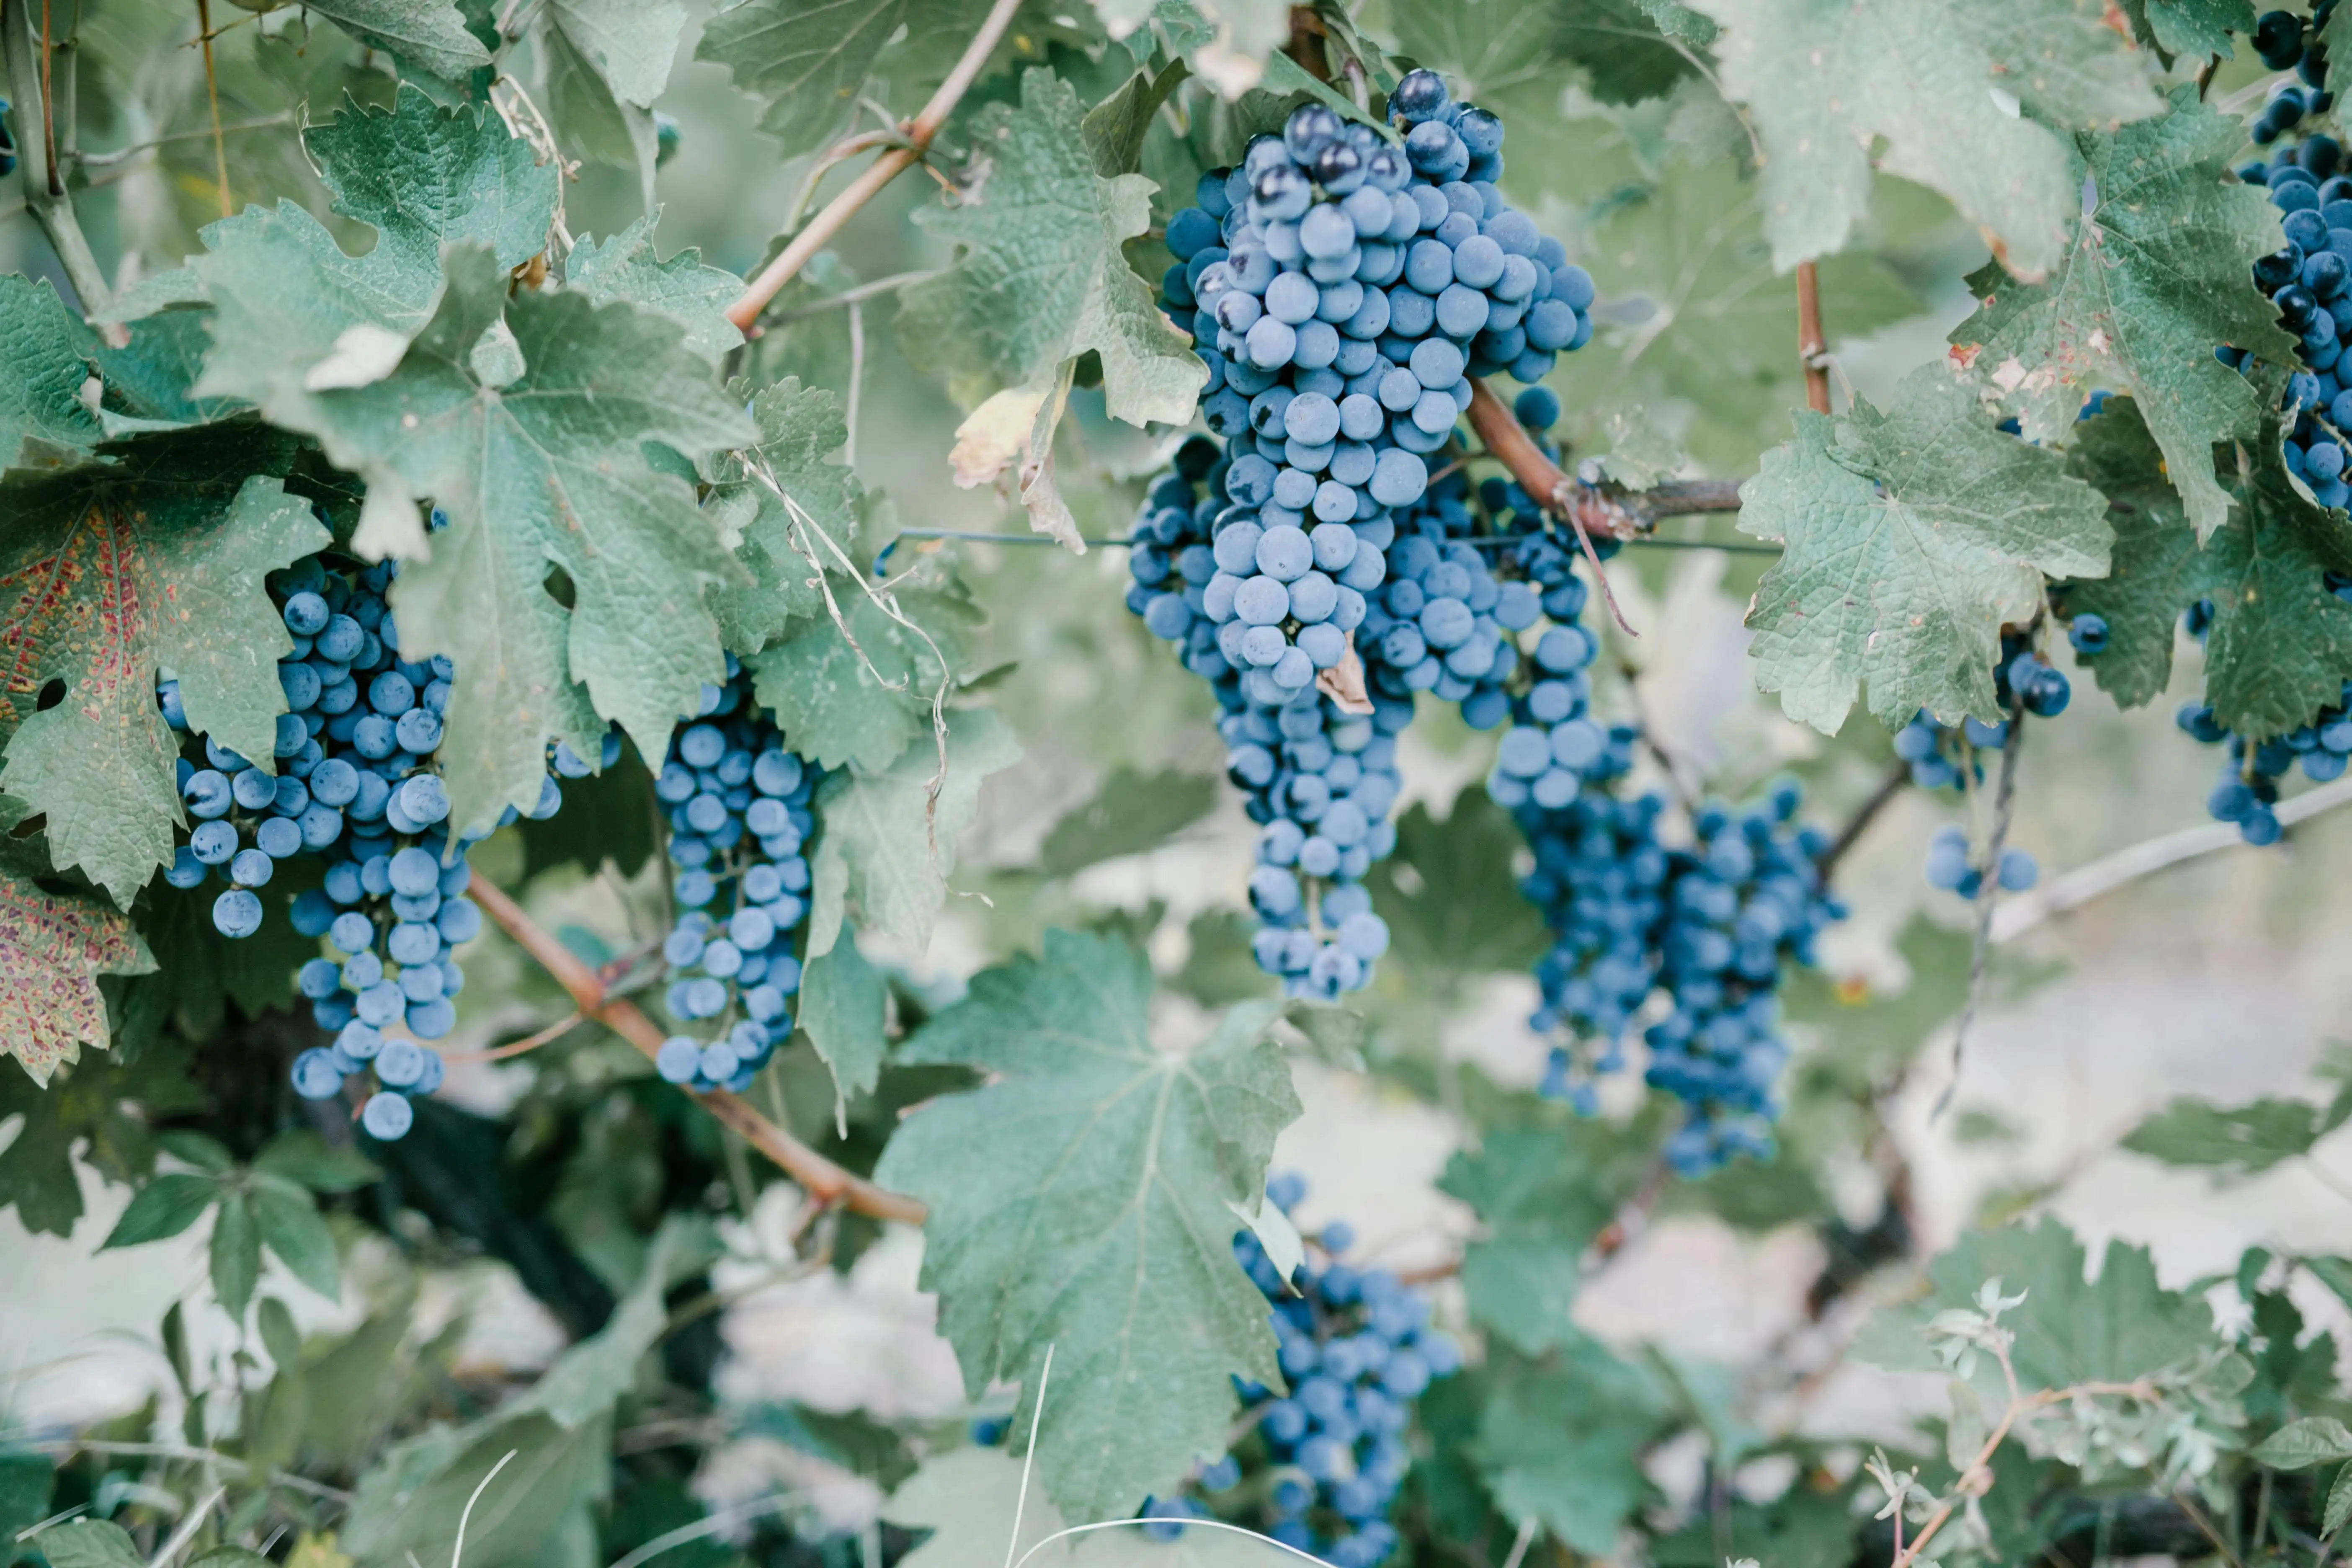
[[737, 798], [2284, 43], [1343, 291], [1319, 781], [1323, 1467], [2247, 792], [357, 787], [1709, 929], [1946, 756]]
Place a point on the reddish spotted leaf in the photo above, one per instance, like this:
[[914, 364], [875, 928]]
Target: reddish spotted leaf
[[53, 948]]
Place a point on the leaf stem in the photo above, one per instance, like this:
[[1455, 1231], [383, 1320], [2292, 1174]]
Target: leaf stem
[[2004, 803], [1890, 786], [1812, 348], [918, 132], [53, 212], [818, 1176]]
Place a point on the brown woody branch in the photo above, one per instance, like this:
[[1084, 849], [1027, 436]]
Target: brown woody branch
[[820, 1178], [915, 140], [1605, 511], [1812, 345]]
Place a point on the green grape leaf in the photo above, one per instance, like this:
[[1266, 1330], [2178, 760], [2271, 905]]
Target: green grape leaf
[[1117, 126], [589, 120], [1965, 97], [1542, 1195], [805, 60], [883, 842], [53, 948], [295, 321], [2339, 1504], [801, 430], [970, 1498], [1709, 335], [546, 470], [829, 700], [629, 43], [1127, 1160], [2200, 28], [430, 34], [841, 1011], [162, 1208], [90, 1543], [1627, 47], [287, 1220], [2155, 570], [236, 1251], [2280, 647], [2239, 1140], [2120, 1327], [2158, 272], [2299, 1445], [1131, 813], [1040, 276], [1448, 895], [691, 294], [110, 573], [101, 1104], [43, 420], [1560, 1443], [1911, 536]]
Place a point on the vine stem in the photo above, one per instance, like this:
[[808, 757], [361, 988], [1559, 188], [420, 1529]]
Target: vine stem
[[2004, 803], [1603, 510], [1890, 786], [823, 1179], [918, 133], [54, 213], [1813, 347]]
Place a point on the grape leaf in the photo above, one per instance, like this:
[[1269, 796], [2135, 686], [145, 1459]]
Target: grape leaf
[[1627, 46], [1542, 1195], [830, 703], [2239, 1140], [1911, 536], [2280, 648], [1711, 332], [90, 1543], [1131, 813], [2121, 1326], [43, 420], [427, 33], [1093, 1155], [2158, 272], [1040, 278], [630, 43], [1448, 894], [1937, 86], [801, 430], [53, 948], [1561, 1442], [2299, 1445], [546, 470], [970, 1498], [882, 841], [2155, 570], [295, 319], [2196, 27], [805, 60], [101, 1105], [841, 1012], [109, 572], [682, 287]]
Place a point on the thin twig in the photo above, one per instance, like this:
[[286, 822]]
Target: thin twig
[[186, 1528], [212, 90], [815, 1173], [1897, 774], [2004, 801], [554, 1032], [107, 159], [1812, 349], [179, 1451], [826, 162], [918, 134], [897, 280], [856, 383], [54, 213], [49, 107]]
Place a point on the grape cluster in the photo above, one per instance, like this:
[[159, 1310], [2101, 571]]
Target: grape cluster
[[1319, 781], [2283, 42], [1708, 928], [738, 798], [1342, 292], [356, 787], [1943, 756], [1326, 1459], [2306, 278]]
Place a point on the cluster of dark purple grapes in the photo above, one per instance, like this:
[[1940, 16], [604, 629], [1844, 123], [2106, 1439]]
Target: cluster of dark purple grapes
[[2284, 42], [357, 787], [1708, 929], [1343, 291], [738, 798], [1323, 1462], [1944, 756]]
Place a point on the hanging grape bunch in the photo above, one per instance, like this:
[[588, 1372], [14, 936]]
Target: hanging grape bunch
[[357, 788], [1319, 1468], [2306, 278], [738, 798]]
